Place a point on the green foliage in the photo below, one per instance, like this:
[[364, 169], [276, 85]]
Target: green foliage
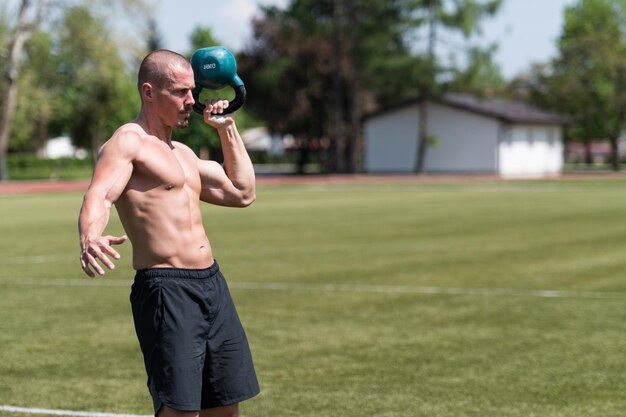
[[4, 40], [95, 80], [72, 78], [587, 80], [389, 69], [296, 51], [464, 17], [301, 70], [481, 76], [30, 167], [155, 40], [309, 61], [202, 37], [386, 299], [39, 96]]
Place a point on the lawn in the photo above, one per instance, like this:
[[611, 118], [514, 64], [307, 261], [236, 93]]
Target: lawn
[[397, 299]]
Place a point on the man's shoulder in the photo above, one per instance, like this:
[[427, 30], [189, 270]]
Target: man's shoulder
[[129, 131], [128, 138]]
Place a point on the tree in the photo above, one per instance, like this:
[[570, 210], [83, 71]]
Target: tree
[[587, 80], [341, 59], [592, 64], [461, 16], [37, 65], [155, 40], [37, 99], [311, 66], [481, 76], [29, 18], [95, 85], [289, 72]]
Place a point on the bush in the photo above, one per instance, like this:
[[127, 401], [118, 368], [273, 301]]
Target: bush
[[30, 167]]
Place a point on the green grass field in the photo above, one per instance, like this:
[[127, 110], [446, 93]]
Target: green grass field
[[391, 300]]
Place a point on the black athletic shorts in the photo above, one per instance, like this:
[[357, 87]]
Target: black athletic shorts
[[195, 350]]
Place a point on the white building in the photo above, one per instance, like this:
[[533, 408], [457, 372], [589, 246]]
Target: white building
[[61, 147], [472, 135]]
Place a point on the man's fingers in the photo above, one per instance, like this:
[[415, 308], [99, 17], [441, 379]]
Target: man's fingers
[[85, 267], [113, 240], [216, 106], [90, 262], [111, 252], [94, 264], [104, 259], [100, 250], [95, 254], [89, 272], [116, 240]]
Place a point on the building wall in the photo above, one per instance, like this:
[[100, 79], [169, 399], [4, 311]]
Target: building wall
[[531, 151], [391, 141], [465, 142]]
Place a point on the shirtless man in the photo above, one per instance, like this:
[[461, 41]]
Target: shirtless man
[[195, 350]]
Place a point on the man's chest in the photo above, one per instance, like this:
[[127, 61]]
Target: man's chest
[[163, 166]]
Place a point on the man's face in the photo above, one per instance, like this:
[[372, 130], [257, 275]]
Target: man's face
[[175, 101]]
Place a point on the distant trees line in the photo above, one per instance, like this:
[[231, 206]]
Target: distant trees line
[[312, 69]]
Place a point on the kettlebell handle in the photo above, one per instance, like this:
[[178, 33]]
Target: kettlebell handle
[[233, 105]]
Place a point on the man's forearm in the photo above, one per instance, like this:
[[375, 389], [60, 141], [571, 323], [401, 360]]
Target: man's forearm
[[96, 249], [237, 163], [92, 220]]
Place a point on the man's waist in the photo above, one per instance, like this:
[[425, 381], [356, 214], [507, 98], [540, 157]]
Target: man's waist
[[176, 272]]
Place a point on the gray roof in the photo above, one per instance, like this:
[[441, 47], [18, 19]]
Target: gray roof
[[508, 111], [505, 110]]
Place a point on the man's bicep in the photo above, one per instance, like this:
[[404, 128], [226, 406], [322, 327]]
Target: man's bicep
[[216, 186]]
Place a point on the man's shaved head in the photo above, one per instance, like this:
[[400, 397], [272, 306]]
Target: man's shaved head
[[156, 67]]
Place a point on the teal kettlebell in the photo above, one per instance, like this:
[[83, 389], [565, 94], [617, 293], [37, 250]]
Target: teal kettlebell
[[215, 68]]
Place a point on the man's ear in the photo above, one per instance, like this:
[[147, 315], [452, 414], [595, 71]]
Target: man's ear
[[147, 91]]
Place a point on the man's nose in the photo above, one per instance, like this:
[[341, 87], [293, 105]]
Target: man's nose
[[189, 98]]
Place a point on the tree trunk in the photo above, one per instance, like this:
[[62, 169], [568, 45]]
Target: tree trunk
[[422, 136], [23, 31], [617, 130], [338, 114], [10, 98], [8, 111], [615, 156], [355, 102], [4, 169], [588, 155]]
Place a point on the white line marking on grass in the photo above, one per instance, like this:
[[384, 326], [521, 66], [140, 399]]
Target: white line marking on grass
[[78, 282], [388, 289], [34, 259], [381, 289], [24, 410]]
